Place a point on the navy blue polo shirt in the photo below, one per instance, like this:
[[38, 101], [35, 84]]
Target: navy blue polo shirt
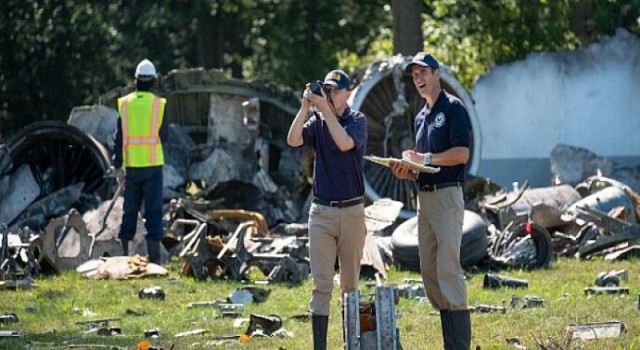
[[337, 175], [444, 126]]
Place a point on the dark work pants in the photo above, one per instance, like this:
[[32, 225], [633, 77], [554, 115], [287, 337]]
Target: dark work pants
[[142, 184]]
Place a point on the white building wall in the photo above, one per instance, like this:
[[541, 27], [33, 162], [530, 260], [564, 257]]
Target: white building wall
[[588, 98]]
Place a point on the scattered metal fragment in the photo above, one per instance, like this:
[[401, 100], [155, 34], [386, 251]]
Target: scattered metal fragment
[[59, 155], [260, 295], [544, 205], [231, 310], [605, 290], [263, 325], [195, 251], [18, 284], [105, 331], [371, 324], [633, 250], [99, 121], [411, 291], [249, 294], [596, 330], [197, 304], [133, 312], [199, 331], [66, 241], [288, 262], [168, 346], [619, 232], [50, 206], [152, 333], [85, 312], [9, 317], [95, 346], [611, 278], [153, 292], [486, 308], [10, 334], [23, 189], [493, 281], [381, 214], [602, 201], [19, 260], [515, 341], [94, 235], [97, 323], [529, 301], [522, 244], [239, 216], [288, 269], [240, 296], [226, 309]]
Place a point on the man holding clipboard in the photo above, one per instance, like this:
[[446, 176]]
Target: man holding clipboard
[[443, 137]]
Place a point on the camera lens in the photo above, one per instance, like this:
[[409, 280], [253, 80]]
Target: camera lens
[[315, 87]]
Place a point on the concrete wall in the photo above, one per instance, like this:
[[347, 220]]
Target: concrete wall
[[588, 98]]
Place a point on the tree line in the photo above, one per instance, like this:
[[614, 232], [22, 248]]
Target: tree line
[[56, 54]]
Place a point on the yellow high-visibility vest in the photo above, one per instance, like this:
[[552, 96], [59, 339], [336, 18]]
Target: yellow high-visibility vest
[[141, 113]]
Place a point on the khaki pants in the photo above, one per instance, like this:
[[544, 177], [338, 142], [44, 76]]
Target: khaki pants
[[334, 232], [440, 217]]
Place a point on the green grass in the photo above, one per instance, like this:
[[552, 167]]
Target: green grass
[[54, 303]]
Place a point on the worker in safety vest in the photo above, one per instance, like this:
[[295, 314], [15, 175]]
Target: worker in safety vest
[[138, 154]]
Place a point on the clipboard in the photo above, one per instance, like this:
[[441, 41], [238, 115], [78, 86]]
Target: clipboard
[[412, 165]]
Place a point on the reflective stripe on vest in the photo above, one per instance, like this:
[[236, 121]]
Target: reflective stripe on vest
[[138, 140]]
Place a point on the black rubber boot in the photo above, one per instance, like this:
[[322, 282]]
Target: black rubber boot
[[344, 329], [319, 325], [460, 321], [125, 247], [447, 335], [153, 249]]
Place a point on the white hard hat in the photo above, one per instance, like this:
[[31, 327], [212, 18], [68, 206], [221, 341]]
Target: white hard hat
[[145, 69]]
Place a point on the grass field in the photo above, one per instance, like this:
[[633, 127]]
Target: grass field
[[48, 313]]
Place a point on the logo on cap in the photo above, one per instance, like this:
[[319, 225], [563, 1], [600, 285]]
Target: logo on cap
[[337, 79], [423, 59]]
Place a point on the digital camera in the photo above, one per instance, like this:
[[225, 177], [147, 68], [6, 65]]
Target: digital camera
[[317, 86]]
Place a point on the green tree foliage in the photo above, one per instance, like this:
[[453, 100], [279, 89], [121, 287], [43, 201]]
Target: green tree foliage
[[60, 53], [56, 54], [471, 36], [296, 41]]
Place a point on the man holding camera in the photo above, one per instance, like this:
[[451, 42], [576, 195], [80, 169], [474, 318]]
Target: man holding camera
[[338, 136]]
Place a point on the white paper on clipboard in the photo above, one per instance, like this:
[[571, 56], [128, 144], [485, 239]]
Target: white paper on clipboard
[[412, 165]]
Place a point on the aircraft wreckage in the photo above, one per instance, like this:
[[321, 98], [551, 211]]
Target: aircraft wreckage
[[235, 192]]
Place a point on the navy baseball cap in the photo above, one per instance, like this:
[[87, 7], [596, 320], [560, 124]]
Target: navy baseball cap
[[422, 59], [338, 79]]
